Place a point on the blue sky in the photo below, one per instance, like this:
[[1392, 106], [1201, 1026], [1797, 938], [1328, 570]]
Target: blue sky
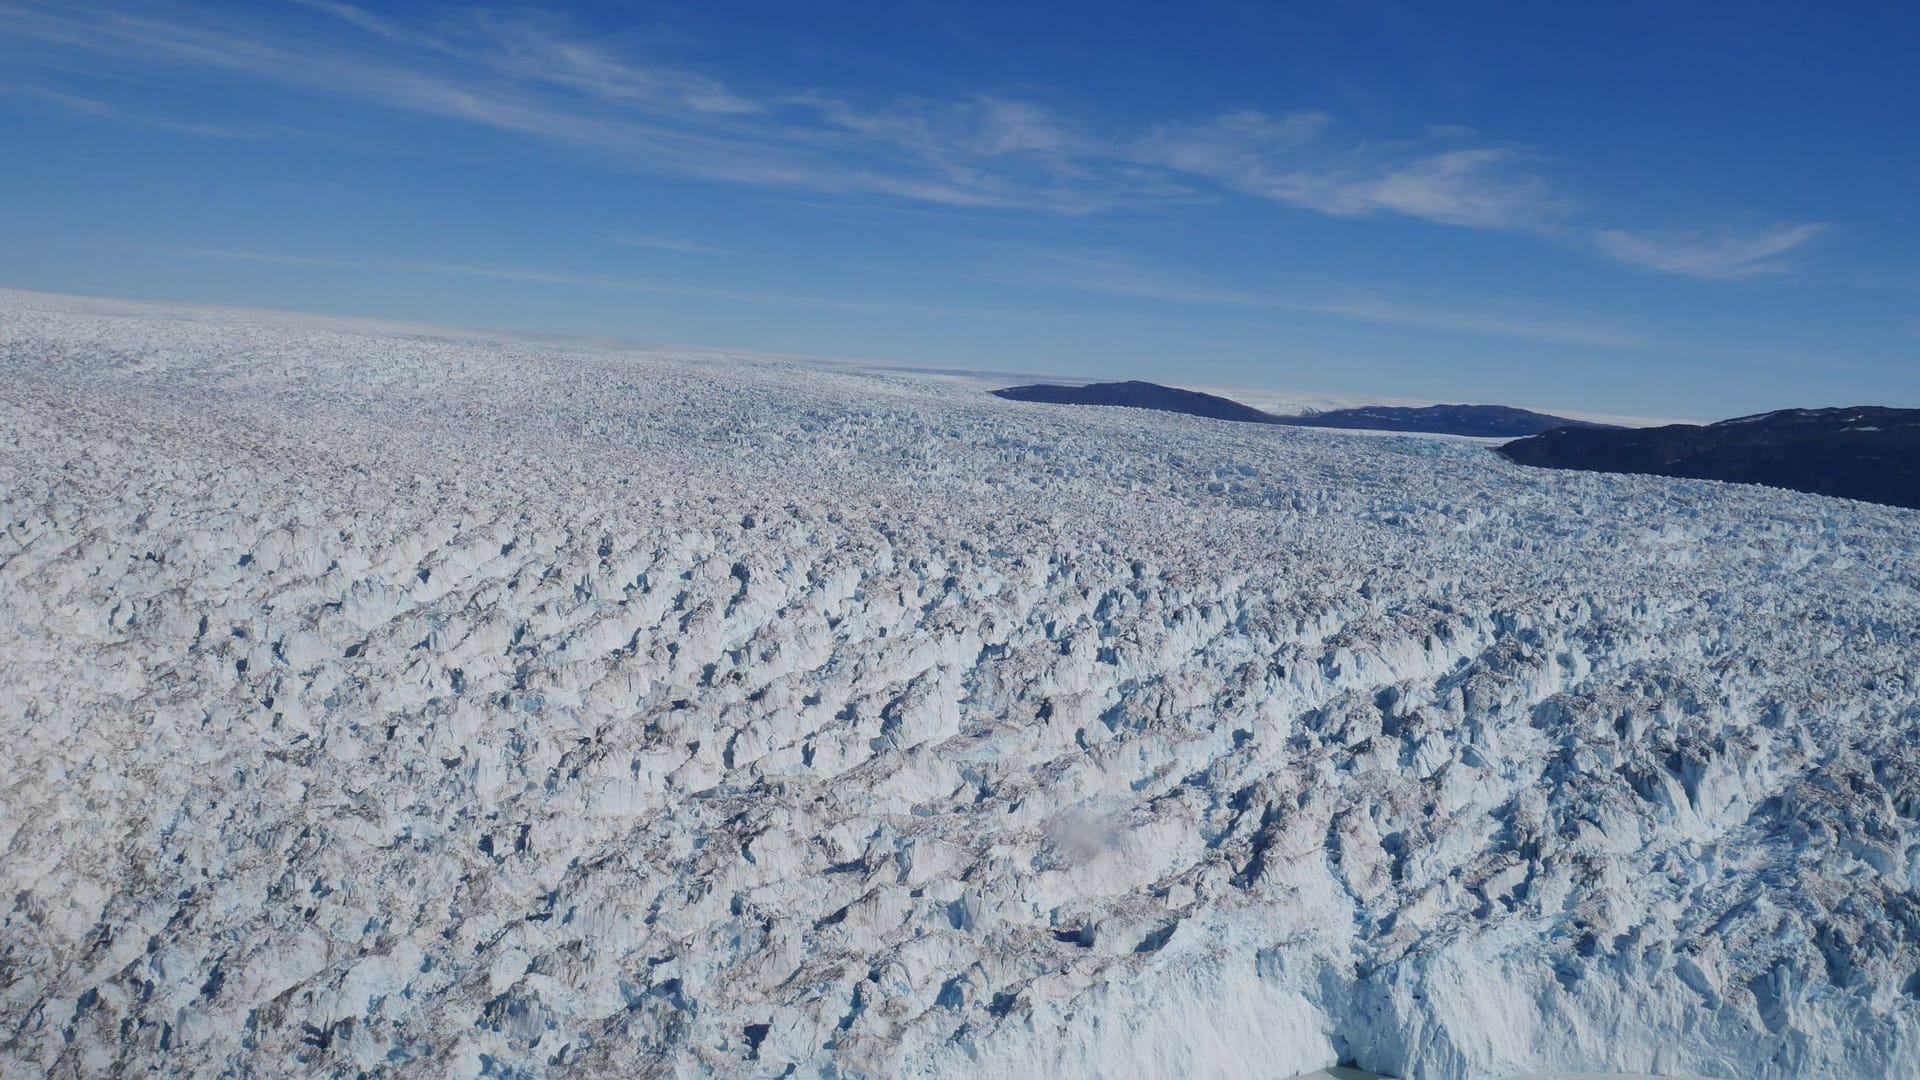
[[1664, 209]]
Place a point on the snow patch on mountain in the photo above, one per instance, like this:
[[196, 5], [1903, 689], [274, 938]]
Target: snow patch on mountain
[[393, 703]]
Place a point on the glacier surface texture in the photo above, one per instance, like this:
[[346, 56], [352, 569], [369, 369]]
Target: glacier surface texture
[[393, 703]]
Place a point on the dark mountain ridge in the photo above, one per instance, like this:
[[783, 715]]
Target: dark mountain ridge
[[1493, 421], [1867, 452], [1139, 395], [1497, 421]]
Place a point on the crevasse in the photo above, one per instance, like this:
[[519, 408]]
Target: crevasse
[[402, 703]]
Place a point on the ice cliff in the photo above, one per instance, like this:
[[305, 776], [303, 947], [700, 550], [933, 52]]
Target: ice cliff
[[384, 703]]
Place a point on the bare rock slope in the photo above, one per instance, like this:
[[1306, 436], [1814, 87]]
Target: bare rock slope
[[1866, 452]]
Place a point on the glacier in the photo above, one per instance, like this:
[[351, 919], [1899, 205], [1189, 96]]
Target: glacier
[[385, 701]]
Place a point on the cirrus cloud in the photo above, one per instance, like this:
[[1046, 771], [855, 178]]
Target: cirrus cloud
[[533, 76], [1711, 255]]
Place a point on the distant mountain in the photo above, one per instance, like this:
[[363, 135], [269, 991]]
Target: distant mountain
[[1868, 452], [1140, 395], [1484, 420]]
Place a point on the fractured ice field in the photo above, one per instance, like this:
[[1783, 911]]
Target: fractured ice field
[[396, 704]]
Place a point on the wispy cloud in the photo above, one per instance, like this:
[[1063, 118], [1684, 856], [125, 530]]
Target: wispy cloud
[[1718, 256], [659, 243], [364, 20], [533, 76], [523, 76], [1296, 160], [87, 106], [538, 50], [529, 76]]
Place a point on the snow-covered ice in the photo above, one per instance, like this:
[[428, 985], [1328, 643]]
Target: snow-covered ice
[[389, 703]]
